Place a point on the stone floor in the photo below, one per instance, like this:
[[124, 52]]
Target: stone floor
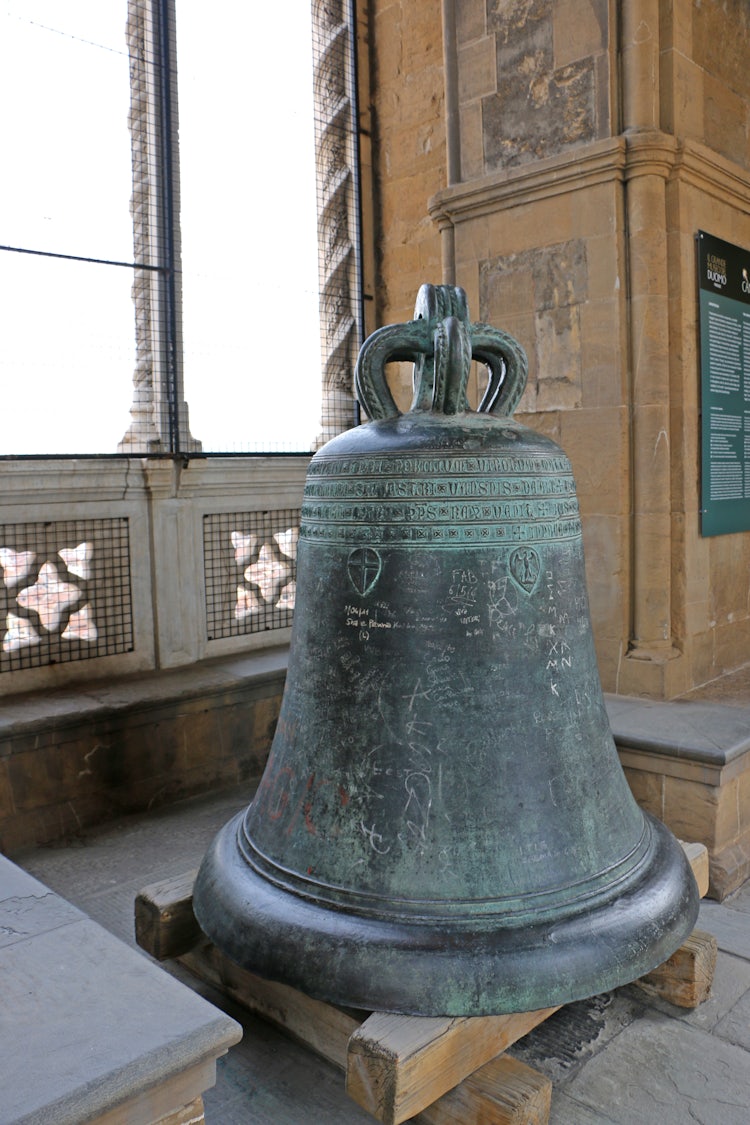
[[617, 1058]]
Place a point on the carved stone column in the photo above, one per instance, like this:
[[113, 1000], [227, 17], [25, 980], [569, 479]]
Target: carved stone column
[[651, 663], [335, 152], [649, 163], [158, 411]]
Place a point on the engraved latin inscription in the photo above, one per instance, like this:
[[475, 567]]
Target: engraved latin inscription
[[377, 501], [400, 466], [437, 535]]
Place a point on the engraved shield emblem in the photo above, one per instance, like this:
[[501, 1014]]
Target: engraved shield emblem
[[524, 566], [364, 567]]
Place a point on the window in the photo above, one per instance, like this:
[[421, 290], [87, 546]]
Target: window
[[161, 243], [67, 347]]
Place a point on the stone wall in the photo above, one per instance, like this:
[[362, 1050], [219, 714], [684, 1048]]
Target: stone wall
[[408, 150], [534, 80], [582, 145], [706, 78]]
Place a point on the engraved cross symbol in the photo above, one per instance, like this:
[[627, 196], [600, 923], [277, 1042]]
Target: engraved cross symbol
[[364, 568]]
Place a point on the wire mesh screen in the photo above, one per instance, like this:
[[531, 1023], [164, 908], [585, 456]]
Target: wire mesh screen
[[338, 204], [136, 252], [250, 561], [65, 592]]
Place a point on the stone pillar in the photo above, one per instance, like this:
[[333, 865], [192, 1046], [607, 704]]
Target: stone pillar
[[650, 158], [640, 65], [335, 155], [159, 412]]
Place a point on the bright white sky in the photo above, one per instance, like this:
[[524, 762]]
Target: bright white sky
[[250, 301]]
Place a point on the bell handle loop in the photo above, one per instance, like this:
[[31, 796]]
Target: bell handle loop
[[508, 367], [435, 302], [452, 366], [413, 341], [394, 342]]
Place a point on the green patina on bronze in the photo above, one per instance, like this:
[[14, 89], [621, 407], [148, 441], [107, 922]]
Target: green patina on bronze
[[443, 826]]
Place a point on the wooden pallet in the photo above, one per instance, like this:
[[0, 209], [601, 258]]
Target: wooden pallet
[[449, 1071]]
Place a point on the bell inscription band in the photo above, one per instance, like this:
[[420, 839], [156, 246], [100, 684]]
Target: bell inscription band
[[443, 826]]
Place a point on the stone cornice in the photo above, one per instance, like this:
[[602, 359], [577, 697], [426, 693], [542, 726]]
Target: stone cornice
[[223, 482], [556, 175], [619, 159], [714, 175]]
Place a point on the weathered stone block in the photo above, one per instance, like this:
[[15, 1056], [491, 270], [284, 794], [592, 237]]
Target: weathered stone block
[[732, 644], [703, 813], [601, 482], [138, 748], [602, 368], [538, 112], [521, 26], [720, 54], [648, 790], [264, 718], [49, 775], [685, 109], [106, 1035], [579, 29], [7, 807], [561, 275], [471, 20], [506, 289], [472, 150], [477, 76], [558, 358]]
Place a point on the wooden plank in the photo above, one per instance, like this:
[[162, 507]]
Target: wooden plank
[[192, 1114], [324, 1028], [504, 1091], [686, 978], [165, 925], [399, 1065], [697, 855]]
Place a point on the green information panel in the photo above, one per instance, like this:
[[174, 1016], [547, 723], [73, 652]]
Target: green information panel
[[724, 290]]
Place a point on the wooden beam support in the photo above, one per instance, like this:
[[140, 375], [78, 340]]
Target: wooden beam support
[[399, 1065], [165, 925], [686, 978], [697, 855], [324, 1028], [504, 1092]]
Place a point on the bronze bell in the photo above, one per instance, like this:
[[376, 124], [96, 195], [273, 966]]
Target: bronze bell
[[443, 826]]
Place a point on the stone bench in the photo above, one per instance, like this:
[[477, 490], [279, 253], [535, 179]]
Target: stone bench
[[82, 755], [688, 762], [90, 1029]]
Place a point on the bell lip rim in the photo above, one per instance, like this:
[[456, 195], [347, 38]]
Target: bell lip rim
[[567, 960], [484, 913]]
